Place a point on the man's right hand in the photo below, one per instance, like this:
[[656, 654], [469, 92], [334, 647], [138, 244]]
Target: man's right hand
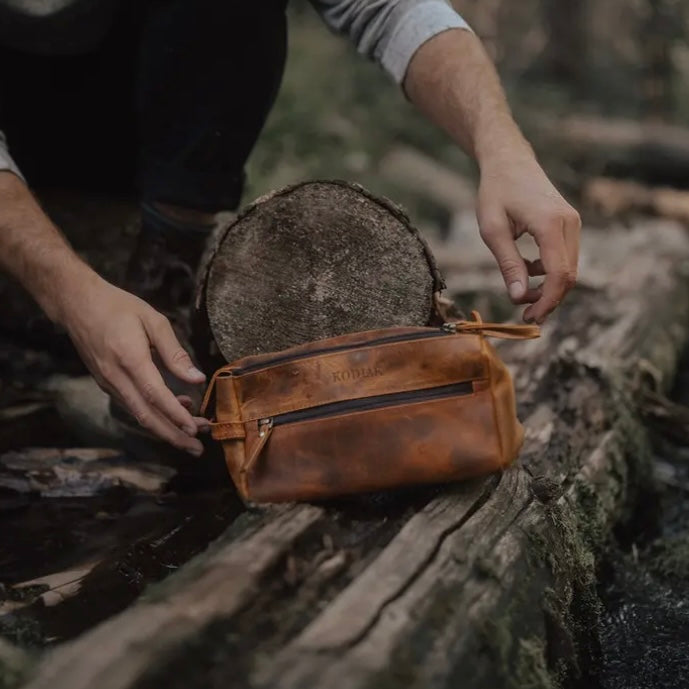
[[115, 333]]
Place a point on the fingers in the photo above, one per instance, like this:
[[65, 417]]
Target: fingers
[[572, 233], [558, 243], [163, 339], [185, 401], [497, 234], [151, 387], [202, 425], [150, 418]]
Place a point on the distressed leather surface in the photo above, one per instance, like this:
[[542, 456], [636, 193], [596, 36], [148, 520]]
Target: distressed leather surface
[[473, 432]]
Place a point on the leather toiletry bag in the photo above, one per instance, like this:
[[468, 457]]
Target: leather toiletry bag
[[368, 411]]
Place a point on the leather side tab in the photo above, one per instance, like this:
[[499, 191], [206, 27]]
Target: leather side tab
[[228, 431], [227, 406]]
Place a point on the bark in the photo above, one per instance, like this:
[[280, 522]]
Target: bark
[[312, 261], [484, 583]]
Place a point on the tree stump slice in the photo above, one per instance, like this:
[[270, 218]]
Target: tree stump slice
[[315, 260]]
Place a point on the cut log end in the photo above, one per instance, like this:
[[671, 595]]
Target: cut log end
[[312, 261]]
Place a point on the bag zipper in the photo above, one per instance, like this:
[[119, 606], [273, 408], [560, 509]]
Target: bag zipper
[[440, 332], [475, 327], [365, 404]]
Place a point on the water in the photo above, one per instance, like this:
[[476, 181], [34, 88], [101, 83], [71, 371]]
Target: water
[[68, 563], [644, 582]]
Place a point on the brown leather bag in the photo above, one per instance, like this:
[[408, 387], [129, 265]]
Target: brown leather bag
[[368, 411]]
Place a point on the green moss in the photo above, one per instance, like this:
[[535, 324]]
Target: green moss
[[531, 669], [497, 638], [592, 524], [14, 665], [669, 557]]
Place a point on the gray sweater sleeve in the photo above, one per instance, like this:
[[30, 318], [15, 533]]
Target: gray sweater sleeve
[[6, 162], [389, 31]]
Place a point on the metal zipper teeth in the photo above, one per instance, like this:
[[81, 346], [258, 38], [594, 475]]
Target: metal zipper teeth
[[369, 403], [341, 348]]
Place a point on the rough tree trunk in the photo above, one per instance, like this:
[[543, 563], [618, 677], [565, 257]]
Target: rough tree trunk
[[484, 583], [315, 260]]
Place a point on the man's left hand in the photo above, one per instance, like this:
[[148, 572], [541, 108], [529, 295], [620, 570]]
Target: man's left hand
[[515, 196]]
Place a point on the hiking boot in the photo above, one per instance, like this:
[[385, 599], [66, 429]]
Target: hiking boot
[[163, 267]]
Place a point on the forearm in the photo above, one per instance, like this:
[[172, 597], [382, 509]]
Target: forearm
[[453, 82], [33, 250]]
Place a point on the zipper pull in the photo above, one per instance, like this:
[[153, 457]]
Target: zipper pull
[[507, 331], [264, 426]]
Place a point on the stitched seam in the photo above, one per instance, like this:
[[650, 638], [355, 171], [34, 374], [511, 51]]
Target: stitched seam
[[491, 378]]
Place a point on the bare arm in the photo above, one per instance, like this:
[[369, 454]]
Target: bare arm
[[451, 79], [112, 330]]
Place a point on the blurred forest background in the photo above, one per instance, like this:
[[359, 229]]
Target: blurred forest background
[[572, 69]]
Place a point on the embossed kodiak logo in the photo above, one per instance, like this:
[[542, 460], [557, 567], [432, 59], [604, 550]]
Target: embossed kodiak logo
[[355, 374]]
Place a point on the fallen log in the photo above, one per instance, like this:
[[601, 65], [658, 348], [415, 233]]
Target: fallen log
[[418, 173], [484, 583], [614, 198], [21, 424], [650, 152]]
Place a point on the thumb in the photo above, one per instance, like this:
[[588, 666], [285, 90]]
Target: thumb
[[497, 234], [173, 355]]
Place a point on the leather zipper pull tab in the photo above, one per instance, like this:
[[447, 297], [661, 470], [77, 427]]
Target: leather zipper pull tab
[[506, 331], [265, 428]]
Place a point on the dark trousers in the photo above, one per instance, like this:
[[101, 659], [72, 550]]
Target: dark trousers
[[171, 102]]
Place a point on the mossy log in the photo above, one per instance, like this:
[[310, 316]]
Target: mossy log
[[312, 261], [485, 583]]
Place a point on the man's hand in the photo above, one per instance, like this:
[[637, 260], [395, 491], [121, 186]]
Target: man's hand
[[515, 197], [452, 80], [115, 333]]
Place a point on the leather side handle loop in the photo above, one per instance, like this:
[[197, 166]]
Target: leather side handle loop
[[228, 430], [211, 388]]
